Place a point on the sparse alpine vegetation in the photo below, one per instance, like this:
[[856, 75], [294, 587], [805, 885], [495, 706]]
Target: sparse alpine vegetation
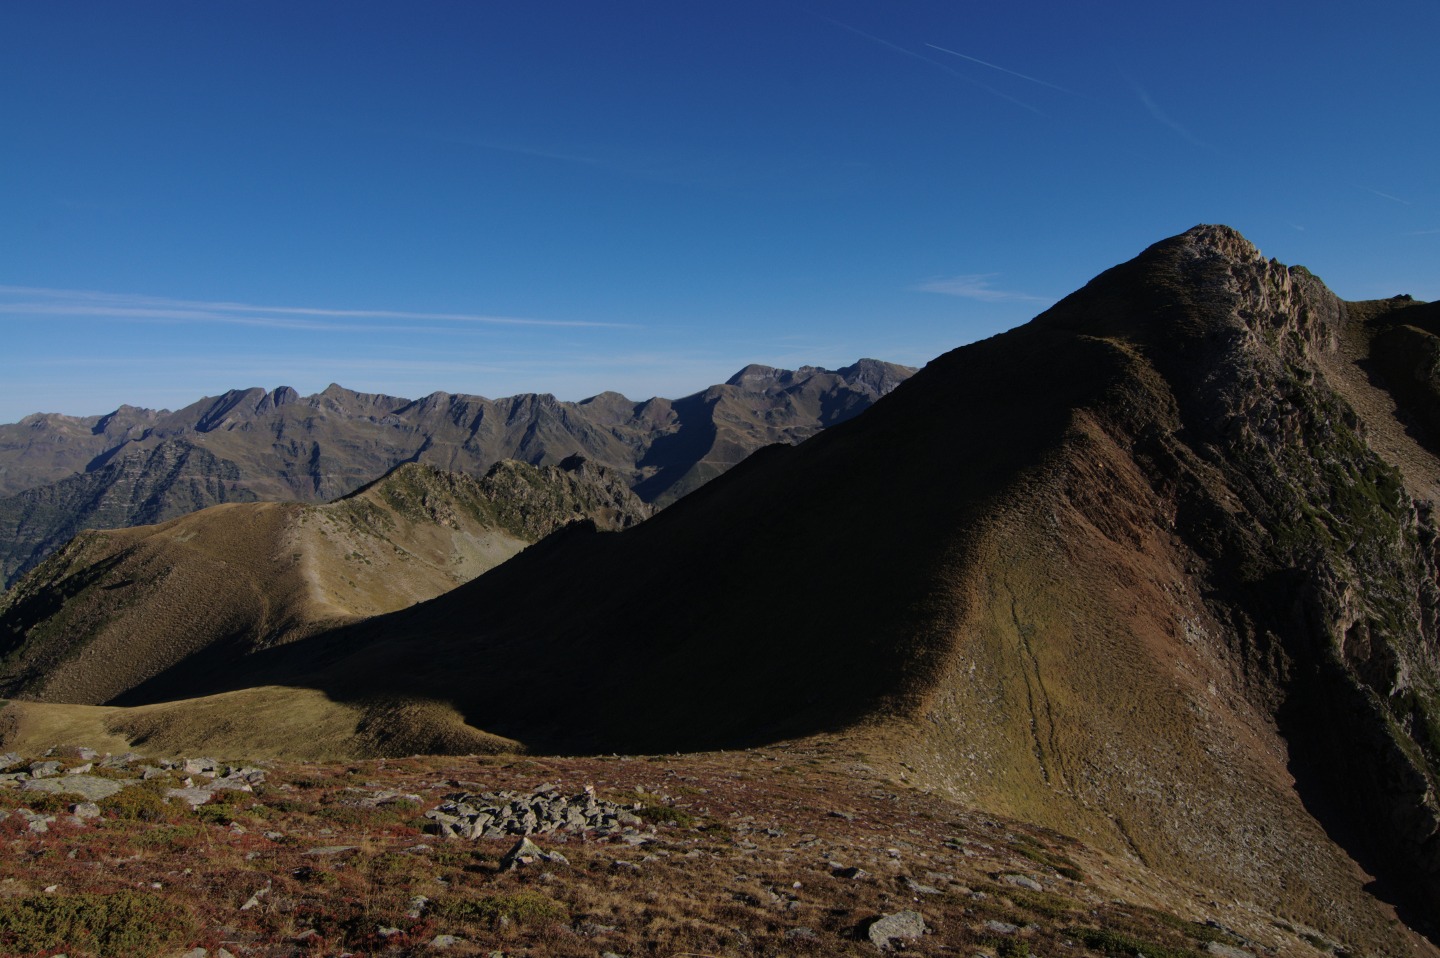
[[803, 850]]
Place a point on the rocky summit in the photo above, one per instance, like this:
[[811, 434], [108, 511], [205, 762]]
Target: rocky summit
[[1150, 584]]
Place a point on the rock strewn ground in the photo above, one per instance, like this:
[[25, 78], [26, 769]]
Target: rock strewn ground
[[777, 851]]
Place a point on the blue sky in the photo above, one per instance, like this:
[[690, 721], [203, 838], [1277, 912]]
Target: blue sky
[[496, 198]]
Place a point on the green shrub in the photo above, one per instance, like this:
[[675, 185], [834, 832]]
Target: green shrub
[[136, 804], [120, 925], [665, 815], [173, 838], [48, 802], [1124, 946], [215, 814], [1013, 948], [523, 908]]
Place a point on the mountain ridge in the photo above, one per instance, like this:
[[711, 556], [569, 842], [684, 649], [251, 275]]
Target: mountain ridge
[[112, 610], [63, 474]]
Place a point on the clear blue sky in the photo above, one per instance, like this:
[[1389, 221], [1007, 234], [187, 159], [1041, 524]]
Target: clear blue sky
[[494, 198]]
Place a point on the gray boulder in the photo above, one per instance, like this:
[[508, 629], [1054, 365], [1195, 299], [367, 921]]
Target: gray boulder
[[89, 787], [899, 927]]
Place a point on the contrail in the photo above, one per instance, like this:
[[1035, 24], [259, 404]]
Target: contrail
[[64, 302], [1387, 196], [939, 66], [1001, 69]]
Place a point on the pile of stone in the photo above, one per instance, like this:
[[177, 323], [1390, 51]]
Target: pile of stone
[[504, 814]]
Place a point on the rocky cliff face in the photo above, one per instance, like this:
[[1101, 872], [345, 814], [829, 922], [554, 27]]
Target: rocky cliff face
[[1320, 567], [60, 474], [1219, 508], [149, 484]]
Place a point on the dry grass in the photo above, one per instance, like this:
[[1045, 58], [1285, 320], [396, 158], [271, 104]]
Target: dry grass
[[265, 722]]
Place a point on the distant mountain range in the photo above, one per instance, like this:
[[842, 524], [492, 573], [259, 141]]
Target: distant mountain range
[[1158, 571], [61, 474]]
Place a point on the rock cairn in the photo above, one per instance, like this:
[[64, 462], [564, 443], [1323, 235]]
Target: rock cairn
[[546, 809]]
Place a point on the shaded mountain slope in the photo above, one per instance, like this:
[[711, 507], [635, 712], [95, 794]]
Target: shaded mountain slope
[[1131, 571], [114, 609], [60, 474]]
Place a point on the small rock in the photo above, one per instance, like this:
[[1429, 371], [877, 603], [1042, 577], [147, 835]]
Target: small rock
[[525, 852], [444, 941], [1023, 881], [1226, 951], [1001, 927], [119, 761], [80, 769], [194, 796], [800, 934], [418, 904], [326, 851], [901, 926], [44, 769], [195, 953], [85, 810], [200, 766], [254, 900], [920, 889]]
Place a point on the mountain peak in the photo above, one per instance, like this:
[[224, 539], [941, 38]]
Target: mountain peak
[[756, 373], [1225, 240]]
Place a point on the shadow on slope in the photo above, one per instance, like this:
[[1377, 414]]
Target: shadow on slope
[[806, 590]]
